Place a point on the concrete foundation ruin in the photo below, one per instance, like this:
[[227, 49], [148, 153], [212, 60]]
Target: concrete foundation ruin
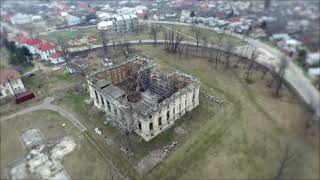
[[136, 97], [43, 158]]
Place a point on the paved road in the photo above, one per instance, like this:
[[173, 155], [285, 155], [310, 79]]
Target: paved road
[[48, 106]]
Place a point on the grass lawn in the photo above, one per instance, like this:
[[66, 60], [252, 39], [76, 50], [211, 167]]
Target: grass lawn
[[83, 163], [70, 34], [92, 118], [93, 32], [47, 84], [245, 139], [211, 35], [4, 60]]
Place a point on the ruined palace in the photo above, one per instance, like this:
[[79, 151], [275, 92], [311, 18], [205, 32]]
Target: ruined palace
[[136, 97]]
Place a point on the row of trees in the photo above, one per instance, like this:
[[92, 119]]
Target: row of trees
[[17, 55], [221, 52]]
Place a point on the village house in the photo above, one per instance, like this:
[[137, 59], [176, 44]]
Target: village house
[[44, 49], [21, 19], [313, 59], [105, 25], [135, 96], [72, 20], [56, 58], [10, 83], [125, 23], [20, 40], [32, 44]]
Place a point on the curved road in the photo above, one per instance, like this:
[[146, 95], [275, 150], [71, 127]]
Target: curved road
[[294, 75], [48, 106]]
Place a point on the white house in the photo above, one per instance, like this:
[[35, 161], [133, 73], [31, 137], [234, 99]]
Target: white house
[[56, 58], [10, 83], [104, 16], [72, 20], [32, 44], [125, 23], [21, 19], [314, 72], [45, 49], [313, 58], [36, 18], [105, 25]]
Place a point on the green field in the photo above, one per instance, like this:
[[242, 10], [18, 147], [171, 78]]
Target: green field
[[245, 139], [212, 36], [70, 34], [90, 31], [4, 60], [83, 163]]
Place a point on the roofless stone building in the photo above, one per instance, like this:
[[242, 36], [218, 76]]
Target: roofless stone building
[[135, 96]]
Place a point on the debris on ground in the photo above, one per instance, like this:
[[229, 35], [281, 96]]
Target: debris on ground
[[44, 157], [211, 98], [179, 130]]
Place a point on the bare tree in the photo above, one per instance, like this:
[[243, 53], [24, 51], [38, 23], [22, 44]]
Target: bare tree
[[128, 124], [105, 40], [63, 43], [218, 52], [242, 56], [197, 34], [251, 62], [229, 48], [204, 44], [172, 40], [113, 43], [154, 31], [180, 51], [210, 51], [165, 37], [280, 77], [187, 51], [125, 47], [288, 156]]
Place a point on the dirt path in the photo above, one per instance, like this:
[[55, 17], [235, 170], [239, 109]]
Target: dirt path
[[48, 106]]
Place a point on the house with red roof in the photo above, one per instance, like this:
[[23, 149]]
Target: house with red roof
[[10, 83], [44, 49], [56, 57], [20, 40], [32, 44]]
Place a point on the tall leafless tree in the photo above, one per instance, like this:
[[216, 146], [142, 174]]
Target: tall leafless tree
[[288, 156], [251, 62], [105, 40], [197, 34], [219, 46], [154, 31], [229, 48], [204, 44], [281, 72], [64, 46], [128, 124], [172, 40], [210, 52]]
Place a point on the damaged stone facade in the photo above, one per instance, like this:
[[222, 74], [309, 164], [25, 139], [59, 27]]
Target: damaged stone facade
[[136, 97]]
